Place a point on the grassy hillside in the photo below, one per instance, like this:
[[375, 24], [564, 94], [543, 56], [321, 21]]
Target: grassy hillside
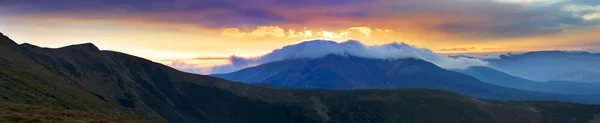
[[23, 80], [84, 78], [22, 113]]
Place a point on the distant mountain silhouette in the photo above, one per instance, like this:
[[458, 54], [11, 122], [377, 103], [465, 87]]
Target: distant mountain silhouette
[[349, 72], [81, 77], [580, 76], [489, 75], [551, 66]]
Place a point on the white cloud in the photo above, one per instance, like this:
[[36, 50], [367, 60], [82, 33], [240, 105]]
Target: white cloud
[[532, 2], [594, 51], [586, 12], [191, 68], [320, 48], [159, 54], [364, 30], [262, 31], [483, 57], [580, 8], [591, 16], [276, 31]]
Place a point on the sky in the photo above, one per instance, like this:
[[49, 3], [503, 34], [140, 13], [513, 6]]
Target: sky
[[204, 33]]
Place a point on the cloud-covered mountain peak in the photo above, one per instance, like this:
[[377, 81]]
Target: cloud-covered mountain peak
[[320, 48]]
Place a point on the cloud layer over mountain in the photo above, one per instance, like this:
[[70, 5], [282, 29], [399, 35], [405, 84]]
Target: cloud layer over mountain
[[319, 48]]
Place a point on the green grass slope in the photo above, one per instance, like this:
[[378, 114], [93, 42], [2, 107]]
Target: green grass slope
[[23, 80], [22, 113]]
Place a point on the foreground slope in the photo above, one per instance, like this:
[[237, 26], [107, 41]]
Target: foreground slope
[[24, 80], [155, 91], [22, 113]]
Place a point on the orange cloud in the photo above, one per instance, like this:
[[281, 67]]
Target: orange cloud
[[364, 30], [278, 32], [233, 32], [261, 31]]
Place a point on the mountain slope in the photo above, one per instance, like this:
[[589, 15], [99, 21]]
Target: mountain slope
[[155, 91], [23, 80], [580, 76], [486, 74], [550, 65], [21, 113], [349, 72]]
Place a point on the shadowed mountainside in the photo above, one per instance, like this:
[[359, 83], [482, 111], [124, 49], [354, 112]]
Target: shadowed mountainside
[[350, 72], [24, 80], [490, 75], [21, 113], [154, 91], [546, 66]]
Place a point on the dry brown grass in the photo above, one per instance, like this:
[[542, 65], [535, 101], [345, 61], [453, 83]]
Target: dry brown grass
[[21, 113]]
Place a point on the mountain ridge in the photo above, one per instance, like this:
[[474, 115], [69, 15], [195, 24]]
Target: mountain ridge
[[23, 80], [490, 75], [348, 72], [546, 66]]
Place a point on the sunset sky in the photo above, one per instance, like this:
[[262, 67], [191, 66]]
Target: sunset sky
[[206, 32]]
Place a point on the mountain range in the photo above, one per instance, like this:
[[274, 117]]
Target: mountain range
[[84, 78], [496, 77], [546, 66], [351, 72]]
